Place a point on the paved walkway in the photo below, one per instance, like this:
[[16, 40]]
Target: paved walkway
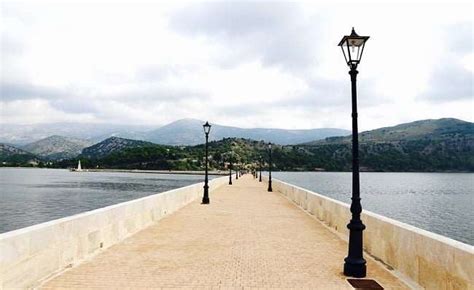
[[246, 237]]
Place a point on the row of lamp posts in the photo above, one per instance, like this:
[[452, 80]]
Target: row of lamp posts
[[354, 264], [236, 171], [205, 198]]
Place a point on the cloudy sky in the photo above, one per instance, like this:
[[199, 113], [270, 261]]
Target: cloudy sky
[[246, 64]]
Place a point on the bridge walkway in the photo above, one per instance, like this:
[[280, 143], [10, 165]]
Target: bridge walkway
[[245, 238]]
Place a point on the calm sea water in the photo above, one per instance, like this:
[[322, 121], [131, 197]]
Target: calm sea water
[[30, 196], [442, 203], [437, 202]]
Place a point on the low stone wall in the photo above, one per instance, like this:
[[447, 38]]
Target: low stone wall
[[32, 254], [431, 261]]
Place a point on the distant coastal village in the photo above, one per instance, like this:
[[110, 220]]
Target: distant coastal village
[[441, 145]]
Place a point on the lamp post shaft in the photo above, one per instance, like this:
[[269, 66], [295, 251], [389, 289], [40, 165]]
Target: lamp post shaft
[[270, 170], [230, 172], [205, 198], [355, 265], [260, 169]]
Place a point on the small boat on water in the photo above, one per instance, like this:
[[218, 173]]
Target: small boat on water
[[79, 167]]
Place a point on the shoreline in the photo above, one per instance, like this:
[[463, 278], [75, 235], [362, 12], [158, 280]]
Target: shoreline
[[222, 172]]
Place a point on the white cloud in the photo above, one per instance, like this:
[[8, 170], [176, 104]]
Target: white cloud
[[37, 111], [245, 64]]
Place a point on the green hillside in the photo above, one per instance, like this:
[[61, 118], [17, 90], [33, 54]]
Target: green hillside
[[12, 156], [426, 145], [438, 129]]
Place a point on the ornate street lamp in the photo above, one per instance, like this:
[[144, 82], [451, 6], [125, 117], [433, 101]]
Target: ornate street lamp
[[270, 167], [236, 172], [352, 47], [260, 177], [205, 198]]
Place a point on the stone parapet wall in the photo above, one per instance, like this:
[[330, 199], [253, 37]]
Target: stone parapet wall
[[32, 254], [429, 260]]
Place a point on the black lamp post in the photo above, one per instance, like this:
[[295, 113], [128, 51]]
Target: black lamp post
[[260, 177], [352, 47], [168, 158], [270, 167], [236, 172], [230, 170], [205, 198]]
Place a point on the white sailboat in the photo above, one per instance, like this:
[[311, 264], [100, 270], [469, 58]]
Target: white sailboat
[[79, 167]]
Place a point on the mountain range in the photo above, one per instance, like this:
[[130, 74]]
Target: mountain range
[[426, 145], [432, 129], [190, 132], [182, 132], [15, 156], [110, 145], [19, 135], [57, 147]]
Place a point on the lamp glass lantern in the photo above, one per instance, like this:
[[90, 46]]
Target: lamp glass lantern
[[207, 128], [353, 47]]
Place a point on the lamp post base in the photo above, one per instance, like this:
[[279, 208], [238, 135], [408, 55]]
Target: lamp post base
[[205, 198], [354, 263], [355, 268]]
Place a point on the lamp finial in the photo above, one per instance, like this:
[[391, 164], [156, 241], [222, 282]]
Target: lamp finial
[[353, 33]]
